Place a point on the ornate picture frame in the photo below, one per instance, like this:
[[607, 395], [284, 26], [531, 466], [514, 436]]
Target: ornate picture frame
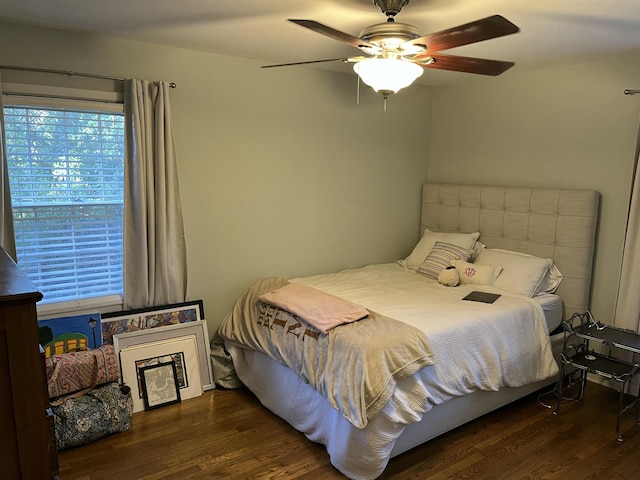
[[114, 323]]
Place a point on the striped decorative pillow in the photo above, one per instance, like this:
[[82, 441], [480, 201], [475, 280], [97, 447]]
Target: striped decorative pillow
[[441, 256]]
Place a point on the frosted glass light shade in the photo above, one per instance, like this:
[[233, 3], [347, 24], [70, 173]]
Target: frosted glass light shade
[[387, 74]]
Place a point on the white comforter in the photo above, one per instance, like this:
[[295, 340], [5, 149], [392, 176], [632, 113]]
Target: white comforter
[[476, 346]]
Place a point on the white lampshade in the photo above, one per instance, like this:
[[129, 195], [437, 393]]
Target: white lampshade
[[387, 75]]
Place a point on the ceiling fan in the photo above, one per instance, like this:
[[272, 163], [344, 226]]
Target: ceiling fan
[[396, 54]]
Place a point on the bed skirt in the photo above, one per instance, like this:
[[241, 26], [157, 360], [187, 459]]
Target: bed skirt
[[362, 454]]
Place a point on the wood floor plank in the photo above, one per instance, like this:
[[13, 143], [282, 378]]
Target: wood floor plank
[[227, 434]]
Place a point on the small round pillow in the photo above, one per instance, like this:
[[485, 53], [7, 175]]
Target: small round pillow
[[449, 277]]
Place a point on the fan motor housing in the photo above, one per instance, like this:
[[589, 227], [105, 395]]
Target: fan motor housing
[[383, 31]]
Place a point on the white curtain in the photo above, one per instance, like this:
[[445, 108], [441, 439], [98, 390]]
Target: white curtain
[[155, 260], [627, 313], [7, 236]]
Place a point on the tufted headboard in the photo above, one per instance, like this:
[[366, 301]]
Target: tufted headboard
[[552, 223]]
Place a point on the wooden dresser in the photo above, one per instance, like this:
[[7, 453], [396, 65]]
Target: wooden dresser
[[27, 441]]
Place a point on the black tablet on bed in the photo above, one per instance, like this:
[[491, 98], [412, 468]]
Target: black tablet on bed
[[484, 297]]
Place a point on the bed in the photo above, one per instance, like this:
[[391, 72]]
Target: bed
[[527, 230]]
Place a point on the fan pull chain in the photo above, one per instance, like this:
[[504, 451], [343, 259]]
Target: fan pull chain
[[385, 96]]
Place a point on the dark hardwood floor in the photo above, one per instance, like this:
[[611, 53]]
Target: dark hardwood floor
[[227, 434]]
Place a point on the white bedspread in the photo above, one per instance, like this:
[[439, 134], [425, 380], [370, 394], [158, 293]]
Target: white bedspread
[[487, 346], [476, 346]]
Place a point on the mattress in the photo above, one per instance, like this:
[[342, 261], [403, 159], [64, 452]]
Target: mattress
[[477, 346], [552, 309]]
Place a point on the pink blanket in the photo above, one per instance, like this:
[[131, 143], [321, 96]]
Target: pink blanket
[[322, 310]]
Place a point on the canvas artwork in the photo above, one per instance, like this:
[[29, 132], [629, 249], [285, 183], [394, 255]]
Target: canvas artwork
[[115, 323], [70, 334]]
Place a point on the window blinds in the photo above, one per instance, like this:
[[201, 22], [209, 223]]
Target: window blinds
[[66, 170]]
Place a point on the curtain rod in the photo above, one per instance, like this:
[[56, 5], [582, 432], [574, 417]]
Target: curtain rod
[[68, 73], [631, 92]]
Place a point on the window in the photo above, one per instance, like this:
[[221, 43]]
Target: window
[[66, 171]]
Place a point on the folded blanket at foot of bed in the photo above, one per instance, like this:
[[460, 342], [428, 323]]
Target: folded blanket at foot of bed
[[355, 366], [322, 310]]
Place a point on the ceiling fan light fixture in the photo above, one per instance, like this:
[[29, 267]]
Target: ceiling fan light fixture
[[387, 75]]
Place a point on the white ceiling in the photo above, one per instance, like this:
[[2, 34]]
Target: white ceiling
[[553, 32]]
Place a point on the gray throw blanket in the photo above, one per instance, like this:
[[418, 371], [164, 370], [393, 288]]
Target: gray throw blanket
[[355, 366]]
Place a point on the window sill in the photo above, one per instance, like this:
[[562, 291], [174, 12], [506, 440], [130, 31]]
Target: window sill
[[111, 303]]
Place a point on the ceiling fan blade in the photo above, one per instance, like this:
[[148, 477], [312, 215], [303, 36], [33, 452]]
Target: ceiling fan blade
[[478, 31], [335, 34], [481, 66], [305, 63]]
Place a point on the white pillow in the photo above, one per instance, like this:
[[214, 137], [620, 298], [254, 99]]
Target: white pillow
[[429, 239], [521, 273], [476, 274], [551, 281], [476, 250]]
